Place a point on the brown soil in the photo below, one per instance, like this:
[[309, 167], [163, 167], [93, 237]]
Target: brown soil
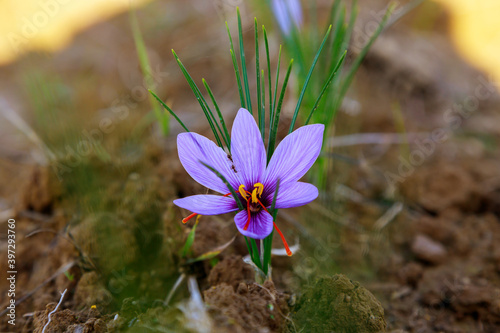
[[254, 307]]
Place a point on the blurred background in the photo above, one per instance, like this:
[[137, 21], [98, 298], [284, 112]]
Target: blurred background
[[410, 205]]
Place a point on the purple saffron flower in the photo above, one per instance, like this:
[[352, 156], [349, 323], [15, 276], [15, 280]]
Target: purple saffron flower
[[245, 170], [287, 13]]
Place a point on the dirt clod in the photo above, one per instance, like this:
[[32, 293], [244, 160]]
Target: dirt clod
[[40, 191], [59, 320], [252, 309], [337, 304], [232, 270], [441, 186], [68, 321], [90, 291]]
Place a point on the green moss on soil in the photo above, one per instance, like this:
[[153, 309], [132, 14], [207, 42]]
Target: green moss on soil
[[337, 304]]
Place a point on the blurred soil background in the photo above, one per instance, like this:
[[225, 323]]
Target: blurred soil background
[[411, 211]]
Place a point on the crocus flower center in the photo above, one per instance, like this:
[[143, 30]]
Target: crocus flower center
[[254, 205]]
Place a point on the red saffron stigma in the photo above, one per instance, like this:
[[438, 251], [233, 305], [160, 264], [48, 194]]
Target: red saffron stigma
[[248, 212], [263, 206], [226, 195], [284, 240], [184, 220]]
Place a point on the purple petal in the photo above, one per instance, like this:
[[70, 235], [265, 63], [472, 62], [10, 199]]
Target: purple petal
[[247, 149], [261, 224], [295, 195], [207, 204], [287, 12], [194, 148], [294, 156]]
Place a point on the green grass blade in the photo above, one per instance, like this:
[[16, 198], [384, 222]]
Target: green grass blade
[[268, 71], [201, 100], [268, 247], [297, 47], [225, 135], [350, 27], [302, 93], [142, 54], [249, 248], [403, 10], [334, 10], [231, 189], [255, 250], [263, 102], [236, 68], [274, 129], [273, 204], [212, 116], [338, 37], [169, 110], [325, 87], [273, 111], [190, 239], [243, 63], [260, 113], [268, 241], [212, 253], [357, 62]]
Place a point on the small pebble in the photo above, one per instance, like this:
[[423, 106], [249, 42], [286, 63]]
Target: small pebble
[[428, 250]]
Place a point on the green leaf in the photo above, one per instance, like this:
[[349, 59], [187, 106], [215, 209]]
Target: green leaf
[[338, 38], [274, 129], [169, 110], [70, 276], [302, 93], [190, 239], [346, 82], [243, 62], [236, 68], [268, 73], [255, 251], [261, 116], [325, 87], [249, 248], [263, 103], [225, 135], [142, 54], [350, 27], [268, 241], [201, 100], [273, 111], [212, 253]]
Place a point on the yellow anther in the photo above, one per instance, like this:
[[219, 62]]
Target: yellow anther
[[254, 196], [242, 191], [260, 188]]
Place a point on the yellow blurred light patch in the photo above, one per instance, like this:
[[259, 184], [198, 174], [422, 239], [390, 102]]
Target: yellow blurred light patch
[[475, 28], [49, 25]]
